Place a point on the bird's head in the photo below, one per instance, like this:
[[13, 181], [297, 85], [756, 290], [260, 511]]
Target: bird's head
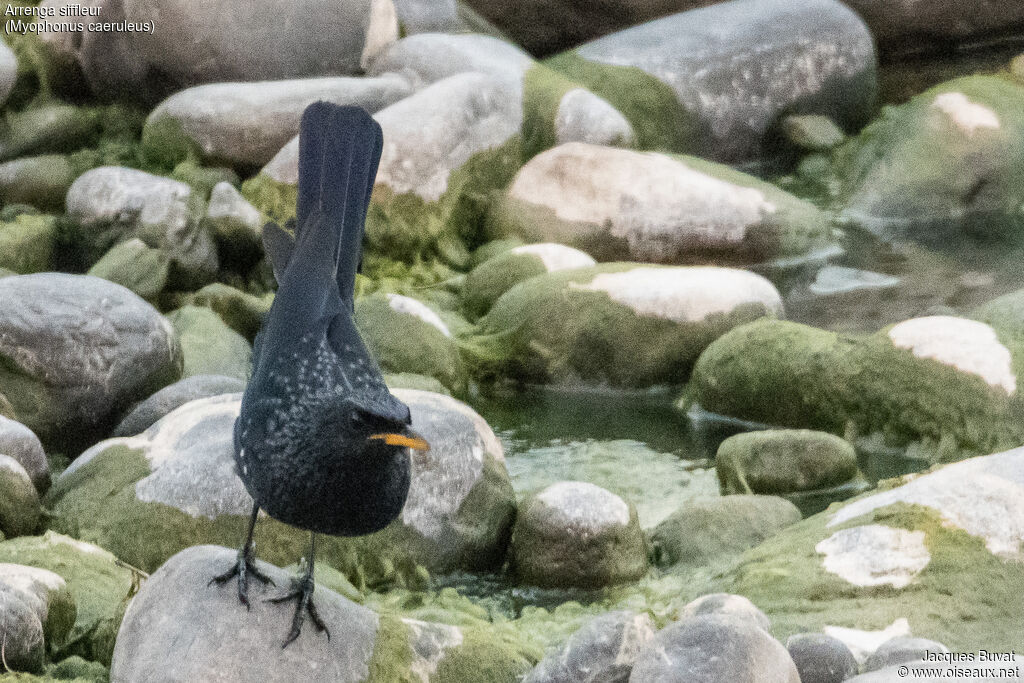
[[372, 434]]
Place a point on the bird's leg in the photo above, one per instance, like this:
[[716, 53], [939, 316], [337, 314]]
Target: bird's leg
[[302, 591], [245, 566]]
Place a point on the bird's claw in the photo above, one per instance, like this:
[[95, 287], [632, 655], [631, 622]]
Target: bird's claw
[[243, 569], [302, 592]]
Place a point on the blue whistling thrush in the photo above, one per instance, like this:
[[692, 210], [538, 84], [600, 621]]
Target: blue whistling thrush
[[320, 442]]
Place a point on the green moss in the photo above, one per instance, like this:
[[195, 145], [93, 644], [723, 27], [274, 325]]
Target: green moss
[[241, 311], [201, 178], [277, 200], [47, 128], [134, 265], [966, 597], [406, 380], [101, 588], [546, 330], [648, 104], [166, 144], [543, 90], [208, 345], [392, 653], [488, 281], [482, 656], [27, 243], [791, 375], [778, 461]]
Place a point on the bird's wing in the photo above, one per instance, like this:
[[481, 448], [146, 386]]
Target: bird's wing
[[360, 374]]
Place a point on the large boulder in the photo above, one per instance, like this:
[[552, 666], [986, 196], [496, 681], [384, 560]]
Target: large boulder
[[216, 638], [894, 176], [716, 649], [718, 78], [246, 124], [187, 45], [99, 584], [928, 553], [445, 147], [624, 205], [75, 350], [175, 484], [623, 324], [944, 384], [575, 534], [112, 204]]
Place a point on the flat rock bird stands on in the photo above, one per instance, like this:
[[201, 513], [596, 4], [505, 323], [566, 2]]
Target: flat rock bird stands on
[[320, 442]]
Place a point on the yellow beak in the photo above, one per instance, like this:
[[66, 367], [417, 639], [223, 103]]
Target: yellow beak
[[417, 443]]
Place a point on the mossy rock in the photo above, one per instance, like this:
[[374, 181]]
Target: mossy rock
[[135, 266], [894, 176], [100, 584], [779, 461], [495, 276], [20, 512], [41, 181], [618, 204], [407, 336], [926, 549], [208, 345], [48, 128], [241, 311], [27, 243], [946, 384], [622, 324]]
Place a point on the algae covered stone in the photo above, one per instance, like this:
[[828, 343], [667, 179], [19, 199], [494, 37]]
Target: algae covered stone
[[928, 552], [100, 585], [26, 243], [495, 276], [241, 311], [783, 461], [575, 534], [648, 206], [18, 442], [47, 128], [209, 346], [19, 501], [947, 384], [717, 91], [76, 350], [707, 531], [406, 335], [41, 181], [622, 324], [23, 633], [47, 593], [894, 175], [136, 266]]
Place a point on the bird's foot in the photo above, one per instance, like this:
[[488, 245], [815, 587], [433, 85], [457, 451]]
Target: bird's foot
[[243, 569], [302, 592]]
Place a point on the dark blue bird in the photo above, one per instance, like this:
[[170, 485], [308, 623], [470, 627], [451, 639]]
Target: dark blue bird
[[321, 443]]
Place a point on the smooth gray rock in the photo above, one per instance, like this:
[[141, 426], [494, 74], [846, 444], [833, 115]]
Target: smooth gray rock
[[147, 412], [8, 70], [900, 650], [582, 116], [820, 658], [736, 66], [19, 500], [212, 637], [431, 57], [233, 41], [23, 632], [714, 649], [246, 124], [601, 651], [707, 530], [76, 350], [577, 534], [18, 441], [233, 220], [728, 605], [112, 204]]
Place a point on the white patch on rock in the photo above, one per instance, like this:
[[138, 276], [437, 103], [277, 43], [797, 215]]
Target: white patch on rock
[[584, 505], [556, 256], [967, 115], [582, 116], [646, 198], [862, 644], [22, 577], [410, 306], [967, 345], [429, 642], [381, 31], [984, 496], [685, 294], [875, 555], [491, 443], [227, 203]]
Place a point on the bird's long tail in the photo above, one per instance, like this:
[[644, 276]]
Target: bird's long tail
[[339, 150]]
